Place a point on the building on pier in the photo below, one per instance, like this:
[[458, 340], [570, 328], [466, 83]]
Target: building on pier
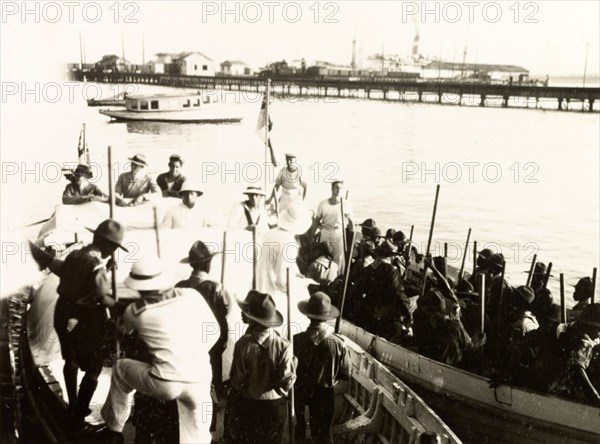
[[183, 63]]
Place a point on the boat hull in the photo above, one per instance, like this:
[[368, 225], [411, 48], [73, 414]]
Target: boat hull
[[213, 116], [477, 412]]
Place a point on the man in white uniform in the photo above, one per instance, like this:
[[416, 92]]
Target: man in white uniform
[[293, 186], [188, 213]]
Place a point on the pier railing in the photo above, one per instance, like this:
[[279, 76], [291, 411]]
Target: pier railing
[[386, 89]]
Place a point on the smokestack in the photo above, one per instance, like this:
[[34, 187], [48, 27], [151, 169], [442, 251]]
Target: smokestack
[[415, 49], [354, 53]]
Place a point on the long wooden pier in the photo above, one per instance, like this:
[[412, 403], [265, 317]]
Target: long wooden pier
[[431, 91]]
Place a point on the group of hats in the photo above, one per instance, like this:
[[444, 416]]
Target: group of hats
[[260, 307]]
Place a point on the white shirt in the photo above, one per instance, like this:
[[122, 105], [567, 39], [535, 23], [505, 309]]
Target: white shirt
[[237, 218], [278, 252], [176, 335], [180, 216]]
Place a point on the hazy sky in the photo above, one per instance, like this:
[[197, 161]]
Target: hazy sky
[[546, 37]]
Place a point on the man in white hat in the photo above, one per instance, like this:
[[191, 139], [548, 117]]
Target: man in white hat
[[135, 187], [172, 322], [329, 219], [188, 213], [279, 249], [251, 212], [293, 186]]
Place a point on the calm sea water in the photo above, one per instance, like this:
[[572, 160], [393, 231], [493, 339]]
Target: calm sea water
[[525, 181]]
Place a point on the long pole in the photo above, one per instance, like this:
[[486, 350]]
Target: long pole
[[462, 265], [563, 307], [346, 258], [111, 206], [530, 275], [594, 274], [474, 262], [407, 250], [81, 50], [547, 277], [345, 288], [254, 257], [223, 258], [501, 294], [156, 231], [291, 413], [267, 99], [446, 250], [482, 300], [437, 193]]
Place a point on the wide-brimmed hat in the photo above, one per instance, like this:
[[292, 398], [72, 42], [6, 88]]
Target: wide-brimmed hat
[[387, 248], [318, 307], [539, 269], [258, 191], [148, 274], [584, 289], [591, 315], [376, 232], [112, 231], [486, 253], [496, 261], [190, 185], [526, 293], [139, 159], [81, 170], [464, 289], [260, 307], [198, 253], [368, 224], [296, 218]]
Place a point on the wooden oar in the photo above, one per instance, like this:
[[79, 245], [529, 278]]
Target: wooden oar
[[37, 223], [500, 295], [474, 263], [223, 258], [345, 288], [482, 300], [563, 306], [291, 412], [437, 193], [254, 257], [530, 275], [407, 250], [344, 230], [547, 277], [594, 273], [156, 231], [111, 207], [462, 265]]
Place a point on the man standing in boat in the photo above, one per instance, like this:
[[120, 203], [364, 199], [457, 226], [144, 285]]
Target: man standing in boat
[[188, 213], [251, 212], [80, 318], [322, 361], [80, 190], [173, 323], [135, 187], [293, 186], [329, 219], [170, 182]]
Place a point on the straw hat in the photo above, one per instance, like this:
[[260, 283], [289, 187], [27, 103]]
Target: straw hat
[[318, 307], [190, 185], [258, 191], [296, 218], [148, 274], [139, 159], [260, 307]]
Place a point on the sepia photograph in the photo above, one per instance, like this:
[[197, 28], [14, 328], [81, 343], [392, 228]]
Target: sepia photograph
[[272, 222]]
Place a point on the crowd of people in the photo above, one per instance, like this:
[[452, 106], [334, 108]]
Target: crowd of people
[[392, 291]]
